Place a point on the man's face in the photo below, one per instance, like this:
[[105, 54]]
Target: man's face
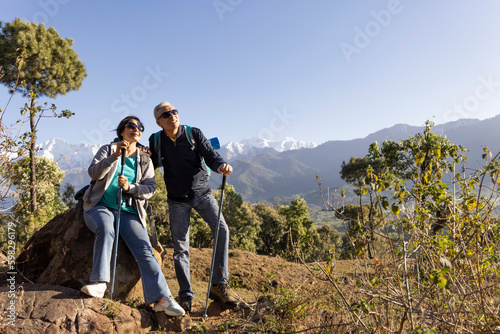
[[168, 123]]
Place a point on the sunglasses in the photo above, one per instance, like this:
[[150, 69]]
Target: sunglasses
[[167, 114], [133, 126]]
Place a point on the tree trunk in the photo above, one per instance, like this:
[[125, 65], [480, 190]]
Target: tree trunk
[[368, 244], [371, 218], [32, 156]]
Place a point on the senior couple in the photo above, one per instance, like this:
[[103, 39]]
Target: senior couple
[[186, 178]]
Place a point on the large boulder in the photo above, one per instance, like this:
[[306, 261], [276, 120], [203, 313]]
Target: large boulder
[[55, 309], [60, 253]]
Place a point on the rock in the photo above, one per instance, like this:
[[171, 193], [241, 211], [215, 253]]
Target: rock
[[60, 253], [215, 309], [3, 259], [56, 309], [176, 324]]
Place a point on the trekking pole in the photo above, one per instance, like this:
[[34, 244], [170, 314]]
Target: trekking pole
[[117, 230], [215, 242]]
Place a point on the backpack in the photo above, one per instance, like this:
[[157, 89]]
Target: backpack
[[189, 135]]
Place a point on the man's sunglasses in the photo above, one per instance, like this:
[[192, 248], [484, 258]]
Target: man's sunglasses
[[133, 126], [167, 114]]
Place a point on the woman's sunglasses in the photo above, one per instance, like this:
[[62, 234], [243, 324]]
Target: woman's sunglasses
[[134, 127], [167, 114]]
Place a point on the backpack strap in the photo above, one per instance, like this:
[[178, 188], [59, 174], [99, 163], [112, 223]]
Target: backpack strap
[[190, 137], [192, 142], [157, 142]]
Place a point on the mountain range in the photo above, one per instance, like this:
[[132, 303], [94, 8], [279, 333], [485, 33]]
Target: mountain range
[[264, 170], [293, 172], [74, 159]]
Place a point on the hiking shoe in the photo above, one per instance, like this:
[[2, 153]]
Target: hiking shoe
[[220, 292], [169, 306], [185, 303], [94, 289]]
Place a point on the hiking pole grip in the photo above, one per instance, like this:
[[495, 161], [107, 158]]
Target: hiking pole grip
[[223, 185], [123, 159]]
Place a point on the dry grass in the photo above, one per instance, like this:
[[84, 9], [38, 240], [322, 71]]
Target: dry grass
[[357, 296]]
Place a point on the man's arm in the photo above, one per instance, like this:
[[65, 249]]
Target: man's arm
[[152, 152], [211, 156]]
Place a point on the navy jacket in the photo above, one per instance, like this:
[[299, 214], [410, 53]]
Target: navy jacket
[[185, 174]]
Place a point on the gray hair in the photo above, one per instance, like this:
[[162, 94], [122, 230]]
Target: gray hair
[[160, 106]]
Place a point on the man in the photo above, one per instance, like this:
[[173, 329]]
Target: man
[[186, 179]]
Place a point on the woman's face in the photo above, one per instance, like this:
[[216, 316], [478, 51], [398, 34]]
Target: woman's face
[[132, 131]]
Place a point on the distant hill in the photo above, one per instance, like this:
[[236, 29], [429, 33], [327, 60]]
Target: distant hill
[[293, 172], [266, 170]]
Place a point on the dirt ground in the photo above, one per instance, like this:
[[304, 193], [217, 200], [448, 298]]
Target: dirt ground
[[248, 270]]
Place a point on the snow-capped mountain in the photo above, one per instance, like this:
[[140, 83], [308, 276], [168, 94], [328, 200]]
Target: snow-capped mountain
[[254, 146], [280, 146], [67, 155], [73, 159]]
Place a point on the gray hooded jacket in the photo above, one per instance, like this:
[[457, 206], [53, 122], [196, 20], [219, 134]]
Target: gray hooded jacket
[[103, 168]]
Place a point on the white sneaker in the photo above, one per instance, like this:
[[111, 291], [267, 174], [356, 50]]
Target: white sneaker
[[169, 306], [94, 289]]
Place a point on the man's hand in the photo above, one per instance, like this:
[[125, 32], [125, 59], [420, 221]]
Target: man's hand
[[145, 150], [225, 169]]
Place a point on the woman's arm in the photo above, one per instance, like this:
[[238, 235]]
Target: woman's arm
[[146, 186], [101, 163]]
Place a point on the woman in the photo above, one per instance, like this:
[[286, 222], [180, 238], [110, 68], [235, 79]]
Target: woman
[[100, 210]]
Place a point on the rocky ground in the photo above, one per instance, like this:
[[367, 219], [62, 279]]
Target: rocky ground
[[249, 272], [46, 308], [56, 262]]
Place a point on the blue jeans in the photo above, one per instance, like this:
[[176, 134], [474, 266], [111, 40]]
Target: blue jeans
[[101, 221], [180, 213]]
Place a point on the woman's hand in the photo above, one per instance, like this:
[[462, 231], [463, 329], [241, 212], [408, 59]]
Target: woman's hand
[[121, 145], [123, 182]]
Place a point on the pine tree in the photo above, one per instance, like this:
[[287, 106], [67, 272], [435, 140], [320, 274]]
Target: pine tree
[[48, 67]]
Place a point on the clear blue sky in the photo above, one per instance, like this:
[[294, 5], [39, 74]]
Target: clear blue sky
[[311, 70]]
